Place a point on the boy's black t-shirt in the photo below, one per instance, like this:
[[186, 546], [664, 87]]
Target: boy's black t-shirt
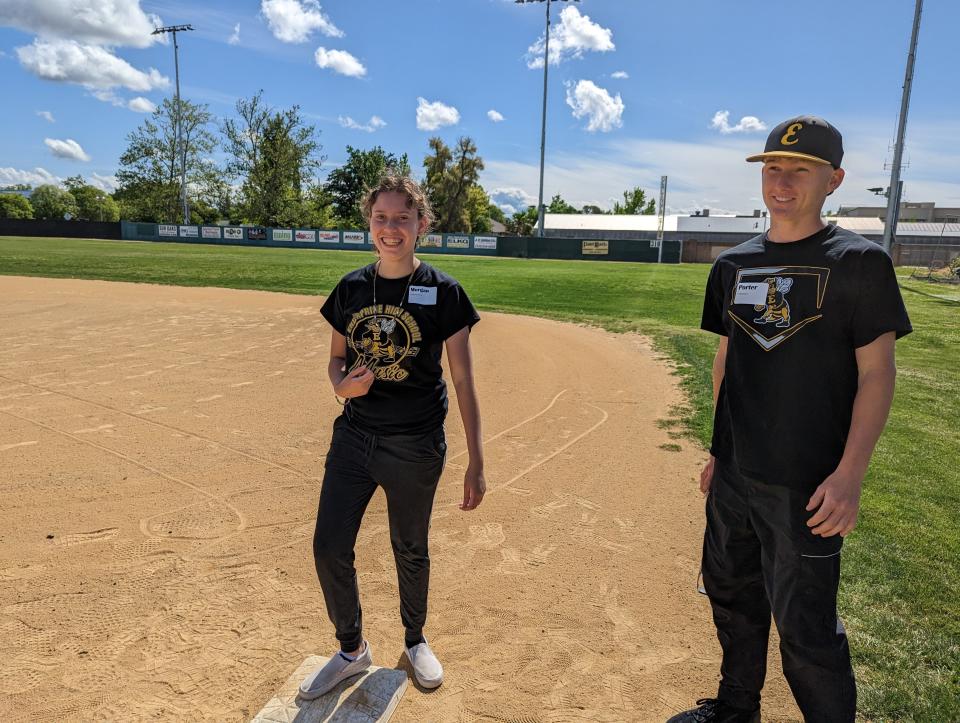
[[401, 341], [794, 315]]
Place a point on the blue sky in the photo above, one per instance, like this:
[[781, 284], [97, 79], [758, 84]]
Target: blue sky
[[635, 92]]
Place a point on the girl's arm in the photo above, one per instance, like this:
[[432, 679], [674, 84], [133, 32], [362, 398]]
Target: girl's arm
[[461, 371]]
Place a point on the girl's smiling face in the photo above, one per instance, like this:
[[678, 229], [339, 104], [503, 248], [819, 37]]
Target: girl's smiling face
[[395, 225]]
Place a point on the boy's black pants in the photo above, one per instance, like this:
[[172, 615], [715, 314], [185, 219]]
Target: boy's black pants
[[759, 557], [408, 469]]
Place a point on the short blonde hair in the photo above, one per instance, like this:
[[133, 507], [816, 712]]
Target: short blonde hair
[[391, 181]]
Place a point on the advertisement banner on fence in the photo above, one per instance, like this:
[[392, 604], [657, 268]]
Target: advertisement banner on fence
[[255, 233], [485, 242], [233, 232], [354, 237], [330, 237], [210, 232], [305, 236], [458, 242], [595, 248], [189, 231], [432, 241], [166, 229], [282, 234]]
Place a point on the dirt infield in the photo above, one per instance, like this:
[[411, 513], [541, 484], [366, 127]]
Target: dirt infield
[[161, 451]]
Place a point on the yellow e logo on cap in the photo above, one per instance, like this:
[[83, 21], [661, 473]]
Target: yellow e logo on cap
[[791, 133]]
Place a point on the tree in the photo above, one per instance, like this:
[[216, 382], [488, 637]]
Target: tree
[[591, 210], [13, 205], [277, 156], [93, 204], [522, 222], [558, 205], [478, 210], [150, 168], [450, 174], [319, 208], [496, 214], [52, 202], [635, 202], [347, 185]]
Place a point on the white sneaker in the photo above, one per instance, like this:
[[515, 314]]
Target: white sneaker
[[337, 669], [426, 667]]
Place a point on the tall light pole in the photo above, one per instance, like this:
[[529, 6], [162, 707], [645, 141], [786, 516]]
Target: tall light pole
[[543, 122], [893, 192], [661, 216], [181, 147]]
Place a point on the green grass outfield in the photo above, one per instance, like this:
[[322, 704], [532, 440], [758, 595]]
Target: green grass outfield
[[900, 595]]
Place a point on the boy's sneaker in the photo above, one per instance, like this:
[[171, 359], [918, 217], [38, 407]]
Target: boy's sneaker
[[711, 710], [426, 668], [337, 669]]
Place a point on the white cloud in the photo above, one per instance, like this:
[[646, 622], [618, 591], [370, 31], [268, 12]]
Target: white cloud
[[588, 100], [46, 115], [495, 116], [340, 61], [374, 123], [747, 124], [91, 66], [142, 105], [620, 75], [68, 149], [293, 21], [431, 116], [512, 199], [37, 177], [100, 22], [235, 38], [104, 183], [574, 34]]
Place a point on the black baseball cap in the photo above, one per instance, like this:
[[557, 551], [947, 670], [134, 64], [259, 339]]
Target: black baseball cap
[[806, 137]]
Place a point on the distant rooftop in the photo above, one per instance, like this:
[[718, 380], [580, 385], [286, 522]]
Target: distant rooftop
[[728, 224]]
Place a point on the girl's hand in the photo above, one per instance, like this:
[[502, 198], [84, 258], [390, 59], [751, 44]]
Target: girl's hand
[[474, 488], [355, 384]]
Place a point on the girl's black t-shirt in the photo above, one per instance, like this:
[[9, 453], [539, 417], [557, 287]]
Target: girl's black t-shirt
[[794, 315], [401, 340]]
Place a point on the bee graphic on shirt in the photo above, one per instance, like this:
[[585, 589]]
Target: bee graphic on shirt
[[777, 308], [376, 345]]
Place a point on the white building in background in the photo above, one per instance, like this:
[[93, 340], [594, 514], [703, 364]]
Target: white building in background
[[703, 237], [704, 227]]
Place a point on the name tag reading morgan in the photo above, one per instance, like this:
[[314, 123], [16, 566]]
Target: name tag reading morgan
[[751, 293], [423, 295]]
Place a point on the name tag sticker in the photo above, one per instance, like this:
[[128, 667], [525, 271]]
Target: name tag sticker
[[751, 293], [424, 295]]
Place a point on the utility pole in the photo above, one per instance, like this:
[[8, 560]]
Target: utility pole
[[181, 145], [543, 122], [893, 192], [663, 210]]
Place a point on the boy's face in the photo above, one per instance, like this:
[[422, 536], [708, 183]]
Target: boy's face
[[794, 189]]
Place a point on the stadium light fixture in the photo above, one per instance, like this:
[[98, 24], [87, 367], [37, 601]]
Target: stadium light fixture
[[182, 148], [543, 122]]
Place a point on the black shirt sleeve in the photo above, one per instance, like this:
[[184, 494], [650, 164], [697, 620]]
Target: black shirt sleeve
[[712, 318], [879, 307], [333, 309], [456, 312]]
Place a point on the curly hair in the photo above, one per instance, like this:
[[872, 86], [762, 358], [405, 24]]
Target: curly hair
[[391, 181]]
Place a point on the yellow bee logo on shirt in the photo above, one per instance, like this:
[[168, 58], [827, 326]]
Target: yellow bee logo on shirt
[[777, 308]]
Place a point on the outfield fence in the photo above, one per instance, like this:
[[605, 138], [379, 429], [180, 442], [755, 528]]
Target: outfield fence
[[432, 243]]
